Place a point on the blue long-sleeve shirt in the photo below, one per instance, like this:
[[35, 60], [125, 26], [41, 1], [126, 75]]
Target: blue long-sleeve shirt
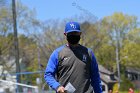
[[76, 65]]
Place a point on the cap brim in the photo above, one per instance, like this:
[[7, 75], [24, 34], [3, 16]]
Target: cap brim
[[73, 31]]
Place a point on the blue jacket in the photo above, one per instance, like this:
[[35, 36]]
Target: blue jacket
[[76, 65]]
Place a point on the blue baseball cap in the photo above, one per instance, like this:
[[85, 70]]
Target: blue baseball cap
[[72, 27]]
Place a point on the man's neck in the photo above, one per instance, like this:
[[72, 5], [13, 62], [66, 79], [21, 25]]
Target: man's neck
[[72, 45]]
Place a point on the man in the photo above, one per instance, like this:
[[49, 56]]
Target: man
[[72, 68]]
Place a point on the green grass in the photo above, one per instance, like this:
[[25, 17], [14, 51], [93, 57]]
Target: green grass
[[136, 91]]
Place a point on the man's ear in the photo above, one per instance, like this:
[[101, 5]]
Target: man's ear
[[65, 34]]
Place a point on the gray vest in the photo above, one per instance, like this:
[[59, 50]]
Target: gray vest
[[74, 67]]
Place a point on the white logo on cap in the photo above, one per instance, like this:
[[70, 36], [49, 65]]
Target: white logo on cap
[[73, 26]]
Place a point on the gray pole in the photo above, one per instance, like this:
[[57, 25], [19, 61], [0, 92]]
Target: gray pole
[[16, 46], [38, 48], [118, 66], [117, 58]]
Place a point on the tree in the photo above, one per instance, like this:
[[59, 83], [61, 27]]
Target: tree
[[131, 49], [6, 36], [119, 25], [5, 43]]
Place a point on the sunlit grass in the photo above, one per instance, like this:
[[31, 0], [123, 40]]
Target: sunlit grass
[[136, 91]]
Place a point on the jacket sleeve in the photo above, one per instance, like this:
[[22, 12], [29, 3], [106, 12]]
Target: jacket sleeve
[[95, 77], [51, 71]]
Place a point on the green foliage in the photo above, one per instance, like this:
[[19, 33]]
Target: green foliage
[[118, 28], [135, 91], [132, 49], [132, 53], [125, 84]]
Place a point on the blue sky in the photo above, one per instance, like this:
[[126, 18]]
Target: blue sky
[[60, 9]]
